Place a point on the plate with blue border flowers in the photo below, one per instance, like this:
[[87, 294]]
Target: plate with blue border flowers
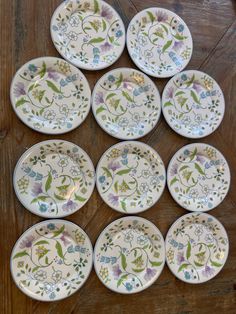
[[51, 260], [129, 255], [54, 178], [88, 33], [197, 247], [126, 103], [198, 177], [159, 42], [193, 104], [50, 95]]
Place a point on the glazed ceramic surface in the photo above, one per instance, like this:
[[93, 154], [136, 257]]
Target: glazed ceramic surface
[[54, 178], [126, 103], [159, 42], [51, 260], [193, 104], [129, 255], [196, 247], [50, 95], [88, 33], [130, 177], [198, 177]]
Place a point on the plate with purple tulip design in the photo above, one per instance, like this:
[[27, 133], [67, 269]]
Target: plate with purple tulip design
[[130, 177], [198, 177], [193, 104], [197, 247], [88, 33], [54, 178], [159, 42], [50, 95], [51, 260], [129, 255]]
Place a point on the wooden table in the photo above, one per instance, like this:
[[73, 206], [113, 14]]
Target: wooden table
[[25, 35]]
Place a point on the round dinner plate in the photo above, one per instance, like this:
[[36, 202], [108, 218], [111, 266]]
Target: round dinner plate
[[88, 33], [54, 178], [196, 247], [198, 177], [129, 255], [51, 260], [159, 42], [126, 103], [130, 177], [50, 95], [193, 104]]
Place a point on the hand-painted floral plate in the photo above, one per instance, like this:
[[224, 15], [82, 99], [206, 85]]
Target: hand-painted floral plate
[[51, 260], [50, 95], [88, 33], [159, 42], [198, 177], [129, 255], [131, 177], [54, 178], [193, 104], [126, 103], [196, 247]]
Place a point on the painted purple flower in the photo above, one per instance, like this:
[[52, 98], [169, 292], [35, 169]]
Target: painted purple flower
[[64, 237], [116, 271], [200, 159], [37, 189], [106, 47], [52, 74], [27, 243], [174, 170], [150, 273], [178, 45], [197, 87], [113, 199], [208, 271], [106, 12], [161, 16], [170, 92], [19, 89], [69, 206], [180, 258], [99, 98], [114, 165]]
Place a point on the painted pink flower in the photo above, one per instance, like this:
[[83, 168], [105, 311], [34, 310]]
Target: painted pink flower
[[161, 16], [116, 271], [170, 92], [52, 74], [197, 87], [113, 199], [64, 237], [106, 12], [178, 45], [27, 242], [200, 159], [208, 271], [19, 89], [99, 98], [150, 273], [114, 165], [174, 170], [37, 189], [69, 206], [180, 258], [106, 47]]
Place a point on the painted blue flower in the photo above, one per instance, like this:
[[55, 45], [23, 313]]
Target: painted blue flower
[[180, 27], [124, 156], [186, 152], [119, 33], [140, 132], [184, 77], [63, 83], [208, 93], [187, 275], [96, 51], [124, 161], [32, 68], [126, 150], [161, 177], [111, 78], [55, 28], [128, 286], [210, 205], [43, 208], [75, 149], [51, 226], [70, 249], [52, 296], [207, 165], [102, 179], [69, 125]]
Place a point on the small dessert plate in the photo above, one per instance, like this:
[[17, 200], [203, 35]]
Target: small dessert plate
[[88, 33], [50, 95], [196, 247], [198, 177], [126, 103], [159, 42], [131, 177], [51, 260], [54, 178], [129, 255], [193, 104]]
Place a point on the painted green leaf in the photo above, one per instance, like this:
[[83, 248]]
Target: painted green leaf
[[46, 260], [165, 28], [59, 198], [194, 96], [111, 39], [183, 167], [151, 16], [80, 198], [166, 46], [43, 254], [110, 95], [43, 70], [188, 253], [199, 169], [168, 104], [119, 81], [183, 266], [94, 26], [58, 232], [123, 205], [116, 186], [39, 198], [198, 264], [122, 278], [41, 242], [35, 85], [213, 263], [107, 172], [96, 40], [53, 87], [122, 172], [173, 181], [179, 93], [21, 102], [48, 182], [155, 264], [138, 270], [96, 6], [104, 26], [188, 83], [123, 261], [179, 37], [193, 154], [35, 268], [100, 109], [59, 250], [20, 254]]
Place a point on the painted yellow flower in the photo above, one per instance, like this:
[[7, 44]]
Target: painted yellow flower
[[170, 256], [80, 238], [208, 82], [41, 251], [114, 153], [64, 67], [210, 152], [138, 78], [103, 273]]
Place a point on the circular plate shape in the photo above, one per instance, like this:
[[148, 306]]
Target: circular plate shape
[[126, 103], [131, 177], [50, 95], [88, 33], [198, 177], [51, 260], [193, 104], [54, 178], [159, 42], [129, 255], [196, 247]]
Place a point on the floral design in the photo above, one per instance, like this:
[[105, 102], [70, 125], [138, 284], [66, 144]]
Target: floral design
[[88, 33], [198, 177], [50, 95], [127, 188], [159, 42], [126, 103], [193, 104], [194, 259], [129, 254], [47, 269], [60, 178]]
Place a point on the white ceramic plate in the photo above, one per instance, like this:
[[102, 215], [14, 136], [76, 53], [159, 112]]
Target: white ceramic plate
[[198, 177], [54, 178], [193, 104], [159, 42], [196, 247], [50, 95], [129, 255], [88, 33], [126, 103], [131, 177], [51, 260]]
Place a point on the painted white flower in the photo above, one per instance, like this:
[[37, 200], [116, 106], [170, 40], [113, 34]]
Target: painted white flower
[[62, 27], [61, 121], [75, 171], [198, 118], [74, 21], [143, 188], [63, 162], [48, 287], [193, 194], [49, 115], [142, 40], [64, 109], [148, 54], [154, 181], [136, 117], [57, 275], [186, 120], [72, 36], [205, 189], [40, 275], [209, 238], [123, 122], [128, 237], [145, 173], [142, 240], [198, 230]]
